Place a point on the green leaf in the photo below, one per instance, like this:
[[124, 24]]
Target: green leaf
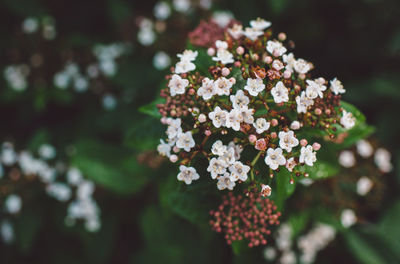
[[284, 189], [298, 222], [114, 168], [144, 134], [320, 170], [27, 226], [151, 108]]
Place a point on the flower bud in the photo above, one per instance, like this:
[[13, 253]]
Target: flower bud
[[173, 158], [287, 74], [295, 125], [316, 146], [318, 111], [202, 118], [266, 190], [252, 138], [225, 71], [282, 36], [175, 149], [268, 59], [207, 132], [275, 53], [261, 144], [240, 50], [273, 135], [237, 64], [303, 142], [274, 122], [211, 51]]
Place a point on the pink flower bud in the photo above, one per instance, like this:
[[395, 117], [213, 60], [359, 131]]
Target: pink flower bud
[[232, 80], [274, 135], [191, 91], [207, 132], [287, 74], [211, 51], [302, 76], [225, 71], [173, 158], [240, 50], [268, 59], [265, 190], [318, 111], [252, 138], [316, 146], [303, 142], [175, 149], [274, 122], [295, 125], [275, 53], [282, 36], [261, 144], [164, 120], [202, 118], [237, 64]]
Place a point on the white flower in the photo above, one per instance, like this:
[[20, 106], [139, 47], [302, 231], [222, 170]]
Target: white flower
[[247, 114], [260, 24], [60, 191], [74, 176], [224, 56], [13, 204], [348, 218], [288, 257], [222, 86], [364, 148], [364, 185], [236, 31], [347, 120], [295, 125], [174, 128], [184, 66], [219, 44], [266, 190], [224, 182], [254, 86], [229, 156], [164, 149], [261, 125], [188, 55], [218, 148], [274, 158], [216, 167], [187, 174], [161, 60], [222, 18], [287, 140], [302, 66], [382, 160], [177, 85], [234, 119], [185, 141], [303, 102], [314, 89], [347, 159], [30, 25], [207, 89], [289, 60], [337, 87], [252, 33], [275, 48], [218, 117], [182, 6], [290, 164], [7, 231], [237, 149], [162, 10], [277, 65], [280, 93], [239, 171], [47, 151], [307, 155], [239, 99], [8, 155]]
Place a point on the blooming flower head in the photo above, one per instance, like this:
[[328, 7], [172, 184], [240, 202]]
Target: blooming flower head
[[261, 125], [287, 140], [347, 120], [280, 93], [254, 86], [187, 174], [274, 158], [307, 155], [177, 85]]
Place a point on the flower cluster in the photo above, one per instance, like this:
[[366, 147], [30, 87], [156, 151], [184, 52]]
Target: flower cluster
[[245, 217], [65, 184], [254, 96]]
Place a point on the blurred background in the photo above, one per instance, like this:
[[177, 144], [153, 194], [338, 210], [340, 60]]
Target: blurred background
[[88, 186]]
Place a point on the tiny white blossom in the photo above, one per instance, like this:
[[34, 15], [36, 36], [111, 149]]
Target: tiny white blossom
[[47, 151], [347, 159], [217, 167], [347, 120], [261, 125], [188, 55], [247, 114], [303, 102], [74, 176], [290, 164], [7, 231], [275, 48], [174, 128], [177, 85], [224, 56], [219, 44], [270, 253], [252, 33], [289, 60], [236, 31], [184, 66], [260, 24], [161, 60], [308, 155], [364, 148], [314, 89], [162, 10], [229, 156], [274, 158], [224, 182], [218, 117], [164, 149], [364, 185], [207, 89], [266, 190], [337, 87], [295, 125], [239, 171], [382, 160], [218, 148], [13, 204], [234, 119], [280, 93], [239, 99], [237, 149], [222, 86], [287, 140], [60, 191], [348, 218], [254, 86], [302, 66], [185, 141], [277, 65], [222, 18], [187, 174]]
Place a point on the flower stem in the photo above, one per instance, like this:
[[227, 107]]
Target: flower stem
[[254, 161]]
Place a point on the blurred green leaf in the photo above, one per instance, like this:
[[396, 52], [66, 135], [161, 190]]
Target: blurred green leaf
[[284, 189], [320, 170], [27, 226], [151, 108]]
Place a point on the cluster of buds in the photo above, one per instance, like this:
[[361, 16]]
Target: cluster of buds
[[253, 97], [245, 217]]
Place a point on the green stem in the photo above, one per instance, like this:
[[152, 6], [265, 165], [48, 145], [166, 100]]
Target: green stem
[[254, 161]]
